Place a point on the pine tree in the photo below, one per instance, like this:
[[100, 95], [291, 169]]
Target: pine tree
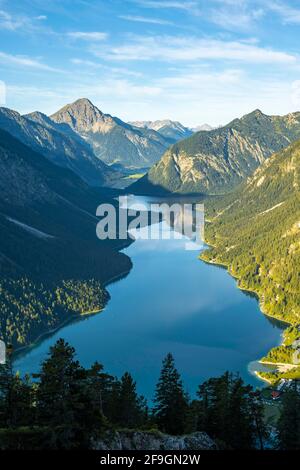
[[16, 397], [289, 421], [58, 395], [131, 407], [103, 393], [230, 411], [6, 393], [171, 403]]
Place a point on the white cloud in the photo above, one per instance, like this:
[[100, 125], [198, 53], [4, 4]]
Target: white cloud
[[2, 93], [88, 36], [288, 14], [96, 65], [14, 22], [187, 5], [192, 97], [236, 17], [24, 61], [10, 22], [174, 48], [145, 19]]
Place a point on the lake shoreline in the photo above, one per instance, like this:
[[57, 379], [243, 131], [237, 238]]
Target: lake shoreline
[[105, 336], [67, 320], [256, 294]]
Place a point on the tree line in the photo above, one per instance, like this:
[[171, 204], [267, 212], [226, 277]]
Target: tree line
[[65, 406]]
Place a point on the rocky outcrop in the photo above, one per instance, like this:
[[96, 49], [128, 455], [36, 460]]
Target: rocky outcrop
[[113, 141], [65, 149], [214, 162], [153, 440]]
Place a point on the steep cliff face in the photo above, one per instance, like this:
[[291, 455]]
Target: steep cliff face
[[112, 140], [213, 162], [143, 440], [66, 149]]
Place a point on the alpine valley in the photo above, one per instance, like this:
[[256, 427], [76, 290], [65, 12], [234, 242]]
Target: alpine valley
[[55, 272]]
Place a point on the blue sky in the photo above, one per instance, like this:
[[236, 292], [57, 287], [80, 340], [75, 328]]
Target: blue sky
[[194, 61]]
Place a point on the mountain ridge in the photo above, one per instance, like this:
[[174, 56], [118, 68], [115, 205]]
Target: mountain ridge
[[255, 232], [38, 132], [112, 140], [172, 130], [52, 264], [214, 162]]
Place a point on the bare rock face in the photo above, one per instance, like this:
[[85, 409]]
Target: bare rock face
[[112, 140], [83, 116], [147, 440], [214, 162], [59, 145]]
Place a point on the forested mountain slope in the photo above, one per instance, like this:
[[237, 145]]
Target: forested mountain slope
[[213, 162], [51, 262], [59, 145], [255, 232]]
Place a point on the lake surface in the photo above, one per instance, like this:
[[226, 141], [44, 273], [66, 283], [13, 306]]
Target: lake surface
[[169, 302]]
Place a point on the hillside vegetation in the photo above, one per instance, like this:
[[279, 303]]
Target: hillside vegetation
[[214, 162], [52, 265], [255, 232]]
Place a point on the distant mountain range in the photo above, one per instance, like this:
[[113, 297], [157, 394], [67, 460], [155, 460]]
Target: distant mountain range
[[213, 162], [203, 127], [112, 140], [171, 130]]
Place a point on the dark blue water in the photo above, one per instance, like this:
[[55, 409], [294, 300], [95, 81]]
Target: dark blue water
[[170, 302]]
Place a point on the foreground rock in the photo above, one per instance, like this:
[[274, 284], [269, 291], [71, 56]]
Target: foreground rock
[[149, 440]]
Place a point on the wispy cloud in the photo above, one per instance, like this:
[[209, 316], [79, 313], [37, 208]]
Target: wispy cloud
[[235, 17], [112, 70], [24, 61], [190, 97], [23, 23], [187, 5], [9, 22], [289, 15], [145, 19], [174, 48], [88, 36]]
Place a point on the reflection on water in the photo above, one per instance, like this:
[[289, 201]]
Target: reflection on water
[[169, 302]]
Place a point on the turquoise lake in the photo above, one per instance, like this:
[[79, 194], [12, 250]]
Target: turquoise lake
[[169, 302]]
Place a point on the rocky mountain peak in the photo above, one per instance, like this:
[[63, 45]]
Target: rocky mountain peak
[[82, 116]]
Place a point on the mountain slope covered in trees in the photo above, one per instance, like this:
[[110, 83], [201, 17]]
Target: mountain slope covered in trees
[[213, 162], [58, 144], [255, 232], [52, 264]]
